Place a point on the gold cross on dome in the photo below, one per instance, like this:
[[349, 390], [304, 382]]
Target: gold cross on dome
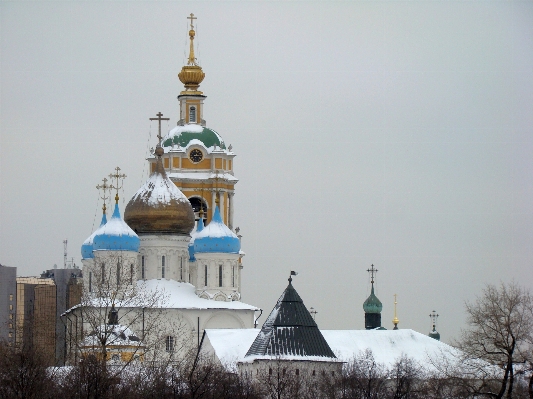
[[118, 177], [192, 18], [372, 272], [104, 187]]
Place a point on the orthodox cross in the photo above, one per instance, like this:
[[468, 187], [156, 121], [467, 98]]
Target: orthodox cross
[[160, 118], [104, 187], [313, 312], [372, 272], [192, 18], [433, 316], [119, 184]]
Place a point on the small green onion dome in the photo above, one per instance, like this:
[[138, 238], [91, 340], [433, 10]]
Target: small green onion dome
[[372, 303], [434, 334]]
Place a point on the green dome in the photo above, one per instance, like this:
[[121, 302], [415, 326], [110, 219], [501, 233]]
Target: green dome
[[434, 334], [183, 135], [372, 303]]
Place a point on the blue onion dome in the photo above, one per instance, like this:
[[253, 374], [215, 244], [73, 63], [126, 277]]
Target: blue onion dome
[[216, 237], [186, 134], [116, 235], [372, 303], [199, 228], [87, 246], [159, 207]]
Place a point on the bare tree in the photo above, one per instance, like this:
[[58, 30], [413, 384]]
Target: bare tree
[[497, 339]]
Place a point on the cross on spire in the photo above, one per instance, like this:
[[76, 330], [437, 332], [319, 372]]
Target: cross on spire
[[119, 177], [159, 118], [433, 316], [373, 271], [104, 187], [192, 18]]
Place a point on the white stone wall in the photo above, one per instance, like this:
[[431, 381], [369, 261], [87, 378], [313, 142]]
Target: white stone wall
[[173, 248], [230, 288], [100, 273]]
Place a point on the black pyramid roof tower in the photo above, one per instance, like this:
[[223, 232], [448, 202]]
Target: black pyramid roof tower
[[290, 330]]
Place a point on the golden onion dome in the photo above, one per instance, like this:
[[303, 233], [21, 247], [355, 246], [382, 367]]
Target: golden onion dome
[[159, 207], [191, 76]]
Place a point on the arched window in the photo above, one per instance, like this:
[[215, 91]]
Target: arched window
[[233, 276], [181, 268], [103, 272], [169, 343], [142, 268], [118, 273], [131, 273], [163, 266], [220, 275], [192, 115], [205, 275], [90, 281]]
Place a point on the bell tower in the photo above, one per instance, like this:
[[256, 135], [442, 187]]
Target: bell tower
[[196, 158]]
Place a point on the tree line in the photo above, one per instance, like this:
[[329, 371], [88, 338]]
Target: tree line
[[493, 358]]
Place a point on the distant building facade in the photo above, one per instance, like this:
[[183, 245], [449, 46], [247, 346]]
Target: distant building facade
[[8, 303]]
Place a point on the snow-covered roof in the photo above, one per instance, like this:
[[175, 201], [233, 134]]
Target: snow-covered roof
[[216, 237], [114, 335], [183, 296], [202, 176], [115, 235], [230, 345]]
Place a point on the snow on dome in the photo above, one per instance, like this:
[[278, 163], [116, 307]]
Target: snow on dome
[[216, 237], [115, 235], [159, 207], [87, 246], [184, 136]]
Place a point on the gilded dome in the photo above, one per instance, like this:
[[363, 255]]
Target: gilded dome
[[191, 76], [159, 207]]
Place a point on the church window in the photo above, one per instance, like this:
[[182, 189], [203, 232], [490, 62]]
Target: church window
[[142, 267], [297, 371], [118, 273], [270, 371], [131, 273], [163, 267], [102, 267], [90, 281], [233, 276], [220, 275], [181, 269], [205, 275], [314, 373], [192, 114], [169, 343]]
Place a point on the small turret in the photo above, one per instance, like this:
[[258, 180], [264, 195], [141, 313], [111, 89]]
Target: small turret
[[372, 306], [434, 333]]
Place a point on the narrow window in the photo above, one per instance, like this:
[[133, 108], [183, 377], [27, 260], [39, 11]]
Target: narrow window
[[270, 371], [103, 273], [181, 268], [333, 373], [233, 276], [169, 343], [205, 275], [142, 267], [90, 281], [220, 275], [314, 372], [131, 273], [162, 267], [118, 274], [192, 114], [297, 371], [10, 297]]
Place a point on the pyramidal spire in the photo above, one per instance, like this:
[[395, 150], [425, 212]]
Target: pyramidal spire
[[290, 331]]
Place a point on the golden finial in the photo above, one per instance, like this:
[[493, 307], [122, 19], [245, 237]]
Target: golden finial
[[192, 59], [191, 75], [395, 321], [119, 177], [104, 187]]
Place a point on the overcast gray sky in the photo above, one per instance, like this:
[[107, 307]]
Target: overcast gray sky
[[393, 133]]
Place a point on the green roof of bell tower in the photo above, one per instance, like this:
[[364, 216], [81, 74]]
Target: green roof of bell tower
[[183, 137], [372, 303]]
